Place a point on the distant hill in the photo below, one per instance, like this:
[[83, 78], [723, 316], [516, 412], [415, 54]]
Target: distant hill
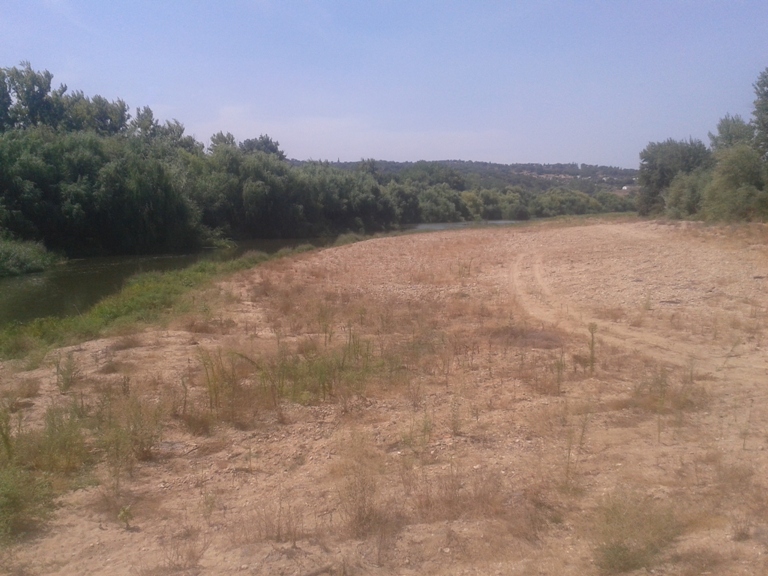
[[492, 175]]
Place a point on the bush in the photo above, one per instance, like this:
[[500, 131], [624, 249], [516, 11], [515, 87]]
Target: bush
[[23, 257], [631, 531], [684, 196], [737, 189], [24, 501]]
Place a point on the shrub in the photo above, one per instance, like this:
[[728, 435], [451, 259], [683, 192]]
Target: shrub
[[23, 257], [24, 500], [737, 189], [631, 530]]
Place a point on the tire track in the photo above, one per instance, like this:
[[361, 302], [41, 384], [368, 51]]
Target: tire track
[[542, 302]]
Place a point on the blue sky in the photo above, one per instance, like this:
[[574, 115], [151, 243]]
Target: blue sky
[[501, 81]]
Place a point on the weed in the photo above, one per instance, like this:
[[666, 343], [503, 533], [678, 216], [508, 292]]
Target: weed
[[125, 515], [58, 448], [24, 501], [358, 503], [631, 531], [68, 372], [19, 395], [143, 423], [229, 397], [455, 415], [281, 522], [6, 431], [559, 370], [698, 561], [198, 422], [741, 528], [185, 549], [129, 427]]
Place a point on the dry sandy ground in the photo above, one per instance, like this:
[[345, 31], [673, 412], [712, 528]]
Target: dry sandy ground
[[479, 431]]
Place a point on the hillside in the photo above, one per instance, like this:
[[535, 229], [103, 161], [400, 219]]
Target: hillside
[[494, 175]]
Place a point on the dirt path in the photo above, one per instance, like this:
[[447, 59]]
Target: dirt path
[[458, 428]]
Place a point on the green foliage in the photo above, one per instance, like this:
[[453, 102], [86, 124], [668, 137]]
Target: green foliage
[[611, 202], [263, 144], [731, 130], [560, 201], [24, 257], [737, 188], [24, 501], [760, 114], [432, 173], [684, 196], [661, 162], [442, 204], [27, 100], [60, 446], [686, 180], [81, 176]]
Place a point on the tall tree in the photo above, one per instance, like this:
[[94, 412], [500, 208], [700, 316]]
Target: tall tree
[[760, 114], [144, 124], [737, 188], [731, 130], [221, 139], [660, 162], [31, 101], [5, 101], [262, 144]]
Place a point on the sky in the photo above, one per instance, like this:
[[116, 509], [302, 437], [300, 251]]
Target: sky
[[545, 81]]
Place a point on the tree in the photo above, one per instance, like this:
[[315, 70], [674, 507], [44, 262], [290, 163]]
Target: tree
[[262, 144], [97, 114], [144, 125], [221, 139], [660, 162], [172, 133], [28, 97], [737, 188], [684, 195], [731, 130], [760, 114], [5, 102]]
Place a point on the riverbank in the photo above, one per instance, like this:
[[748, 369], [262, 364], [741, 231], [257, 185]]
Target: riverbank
[[146, 298], [560, 399]]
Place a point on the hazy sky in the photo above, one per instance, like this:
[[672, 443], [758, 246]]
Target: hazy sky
[[502, 81]]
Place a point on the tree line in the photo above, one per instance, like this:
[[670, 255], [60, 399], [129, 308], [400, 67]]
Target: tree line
[[84, 176], [727, 180]]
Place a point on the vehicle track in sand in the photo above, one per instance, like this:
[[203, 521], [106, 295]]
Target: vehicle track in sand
[[694, 311]]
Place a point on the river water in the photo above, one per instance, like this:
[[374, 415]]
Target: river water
[[77, 285]]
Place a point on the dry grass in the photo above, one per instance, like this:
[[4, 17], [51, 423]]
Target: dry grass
[[366, 425], [631, 531]]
